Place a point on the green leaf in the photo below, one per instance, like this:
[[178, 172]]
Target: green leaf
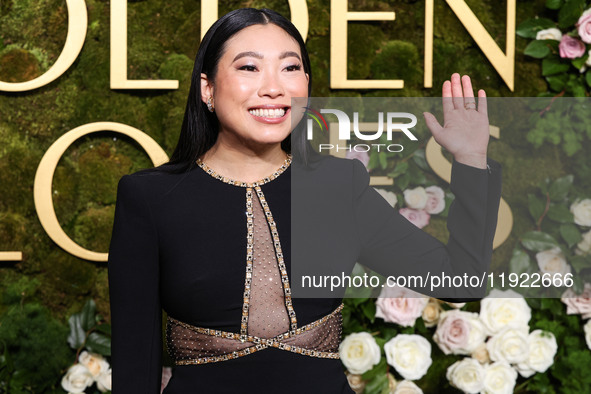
[[520, 261], [557, 82], [399, 169], [536, 206], [420, 160], [530, 27], [537, 49], [77, 333], [580, 262], [552, 65], [99, 343], [383, 160], [560, 213], [378, 369], [87, 315], [578, 62], [560, 188], [538, 241], [588, 77], [104, 328], [378, 385], [369, 310], [373, 160], [402, 182], [553, 4], [570, 233], [570, 12]]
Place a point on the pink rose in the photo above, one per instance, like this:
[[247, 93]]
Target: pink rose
[[400, 305], [435, 200], [166, 375], [361, 156], [570, 47], [459, 332], [418, 218], [584, 25], [578, 303]]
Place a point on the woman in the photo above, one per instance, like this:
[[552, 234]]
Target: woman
[[206, 237]]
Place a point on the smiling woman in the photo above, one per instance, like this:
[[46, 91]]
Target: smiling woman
[[207, 237]]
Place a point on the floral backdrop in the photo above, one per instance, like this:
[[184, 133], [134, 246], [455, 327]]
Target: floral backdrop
[[54, 307]]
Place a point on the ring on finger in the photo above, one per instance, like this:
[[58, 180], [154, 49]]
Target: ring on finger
[[470, 105]]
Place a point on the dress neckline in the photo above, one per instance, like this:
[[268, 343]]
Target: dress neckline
[[233, 182]]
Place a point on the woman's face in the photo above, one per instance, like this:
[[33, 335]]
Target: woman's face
[[258, 74]]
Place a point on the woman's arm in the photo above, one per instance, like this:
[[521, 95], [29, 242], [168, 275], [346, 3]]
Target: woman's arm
[[136, 347]]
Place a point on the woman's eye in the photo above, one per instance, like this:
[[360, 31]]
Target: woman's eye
[[248, 67], [295, 67]]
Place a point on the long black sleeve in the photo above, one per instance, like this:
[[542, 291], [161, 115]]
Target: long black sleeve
[[391, 245], [136, 313]]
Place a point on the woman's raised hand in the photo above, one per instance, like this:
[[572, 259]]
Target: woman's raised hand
[[465, 130]]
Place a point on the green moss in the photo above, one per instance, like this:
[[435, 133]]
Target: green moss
[[93, 226], [398, 60], [363, 42], [18, 65], [64, 278]]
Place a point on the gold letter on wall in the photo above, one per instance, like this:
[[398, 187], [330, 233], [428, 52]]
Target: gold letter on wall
[[504, 63], [119, 54], [339, 17], [44, 179], [77, 23]]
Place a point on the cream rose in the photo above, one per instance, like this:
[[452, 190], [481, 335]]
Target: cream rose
[[409, 354], [497, 313], [549, 34], [582, 212], [542, 349], [359, 352], [77, 379], [587, 329], [407, 387], [578, 304], [584, 26], [459, 332], [388, 196], [588, 61], [103, 381], [431, 313], [510, 345], [481, 354], [552, 261], [584, 247], [466, 375], [499, 378], [435, 200], [95, 363], [356, 382], [400, 305], [416, 198], [456, 305]]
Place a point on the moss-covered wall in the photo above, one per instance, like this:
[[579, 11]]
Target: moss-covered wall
[[163, 37]]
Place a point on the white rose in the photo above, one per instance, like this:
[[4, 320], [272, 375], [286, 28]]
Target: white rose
[[467, 375], [456, 305], [552, 261], [388, 196], [542, 349], [549, 34], [582, 212], [77, 379], [435, 200], [499, 378], [103, 382], [459, 332], [497, 313], [409, 354], [416, 198], [407, 387], [95, 363], [584, 247], [509, 345], [587, 329], [359, 352], [588, 62], [431, 313], [481, 354]]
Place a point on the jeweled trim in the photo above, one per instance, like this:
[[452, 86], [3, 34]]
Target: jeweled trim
[[259, 343], [230, 181]]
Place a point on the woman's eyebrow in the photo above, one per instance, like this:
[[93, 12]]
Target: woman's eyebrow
[[259, 55]]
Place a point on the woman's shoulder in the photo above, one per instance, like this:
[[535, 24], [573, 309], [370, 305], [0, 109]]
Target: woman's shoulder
[[153, 181]]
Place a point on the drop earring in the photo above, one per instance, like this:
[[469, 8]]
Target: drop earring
[[210, 104]]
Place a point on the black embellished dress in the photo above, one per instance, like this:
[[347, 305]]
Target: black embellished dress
[[215, 255]]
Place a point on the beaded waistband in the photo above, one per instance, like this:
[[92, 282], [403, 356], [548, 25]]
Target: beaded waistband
[[188, 344]]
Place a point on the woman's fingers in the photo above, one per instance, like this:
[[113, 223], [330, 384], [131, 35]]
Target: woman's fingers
[[456, 91], [469, 102], [482, 107], [448, 104]]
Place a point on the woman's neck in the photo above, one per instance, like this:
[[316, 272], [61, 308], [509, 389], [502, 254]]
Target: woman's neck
[[243, 164]]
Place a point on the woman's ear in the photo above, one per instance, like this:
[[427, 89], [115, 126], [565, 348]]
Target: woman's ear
[[206, 88]]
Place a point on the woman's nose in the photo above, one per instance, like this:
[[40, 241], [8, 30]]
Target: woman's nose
[[271, 85]]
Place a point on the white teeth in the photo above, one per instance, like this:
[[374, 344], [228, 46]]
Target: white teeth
[[268, 113]]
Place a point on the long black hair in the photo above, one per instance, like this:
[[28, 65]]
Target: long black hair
[[200, 127]]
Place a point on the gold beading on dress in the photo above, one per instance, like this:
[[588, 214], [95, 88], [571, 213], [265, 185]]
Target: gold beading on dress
[[268, 317]]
